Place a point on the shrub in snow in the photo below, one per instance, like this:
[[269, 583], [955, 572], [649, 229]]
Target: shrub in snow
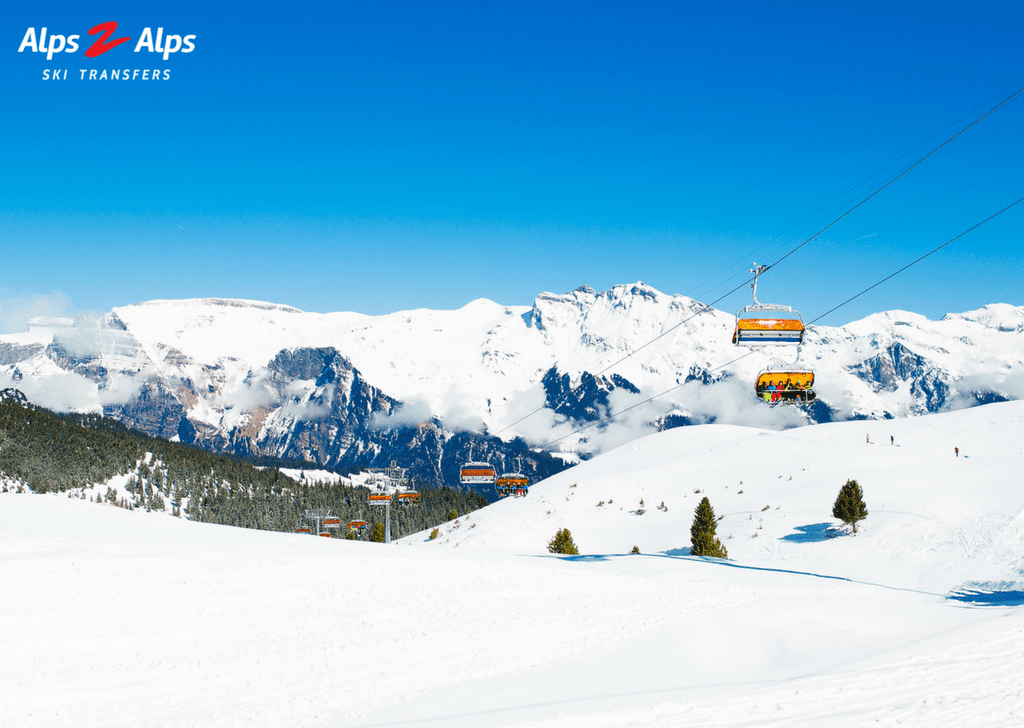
[[849, 506], [434, 534], [635, 550], [452, 515], [702, 533], [562, 543]]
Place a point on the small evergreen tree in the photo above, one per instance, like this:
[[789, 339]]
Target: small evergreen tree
[[702, 533], [849, 506], [562, 543], [377, 533]]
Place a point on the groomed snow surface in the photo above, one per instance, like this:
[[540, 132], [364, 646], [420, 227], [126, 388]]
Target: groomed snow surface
[[117, 618]]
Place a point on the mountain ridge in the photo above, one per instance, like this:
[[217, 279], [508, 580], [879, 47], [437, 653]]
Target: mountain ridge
[[348, 389]]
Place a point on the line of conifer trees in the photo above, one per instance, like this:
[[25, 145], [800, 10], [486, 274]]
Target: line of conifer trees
[[50, 452]]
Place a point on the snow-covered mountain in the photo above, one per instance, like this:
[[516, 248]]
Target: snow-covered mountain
[[347, 389]]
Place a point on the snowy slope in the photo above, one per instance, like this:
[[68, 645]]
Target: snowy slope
[[774, 492], [122, 618]]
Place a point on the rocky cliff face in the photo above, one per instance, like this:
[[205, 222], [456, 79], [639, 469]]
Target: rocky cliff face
[[897, 366]]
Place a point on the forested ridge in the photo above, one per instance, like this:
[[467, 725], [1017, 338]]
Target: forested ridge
[[82, 454]]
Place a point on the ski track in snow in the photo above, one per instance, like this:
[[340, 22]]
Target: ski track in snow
[[973, 684]]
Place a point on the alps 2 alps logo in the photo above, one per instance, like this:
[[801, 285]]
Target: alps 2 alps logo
[[55, 45]]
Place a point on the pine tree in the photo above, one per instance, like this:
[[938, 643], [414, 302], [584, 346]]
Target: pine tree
[[849, 506], [377, 533], [702, 532], [562, 543]]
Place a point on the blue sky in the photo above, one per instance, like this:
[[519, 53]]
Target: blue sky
[[383, 156]]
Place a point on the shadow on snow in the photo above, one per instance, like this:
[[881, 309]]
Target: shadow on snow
[[683, 554], [989, 594], [812, 533]]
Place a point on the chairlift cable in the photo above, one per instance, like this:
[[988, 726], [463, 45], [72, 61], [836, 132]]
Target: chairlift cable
[[901, 174], [918, 260], [967, 114]]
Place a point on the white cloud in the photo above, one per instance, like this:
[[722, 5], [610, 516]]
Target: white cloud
[[309, 409], [121, 388], [408, 414], [636, 418], [60, 391], [732, 402], [1009, 384], [89, 337], [16, 312], [250, 394], [458, 410]]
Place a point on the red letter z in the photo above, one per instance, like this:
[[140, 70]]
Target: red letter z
[[101, 45]]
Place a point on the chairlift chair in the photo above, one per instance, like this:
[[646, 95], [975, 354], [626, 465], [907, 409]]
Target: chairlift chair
[[476, 472], [767, 324], [510, 483], [791, 386]]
